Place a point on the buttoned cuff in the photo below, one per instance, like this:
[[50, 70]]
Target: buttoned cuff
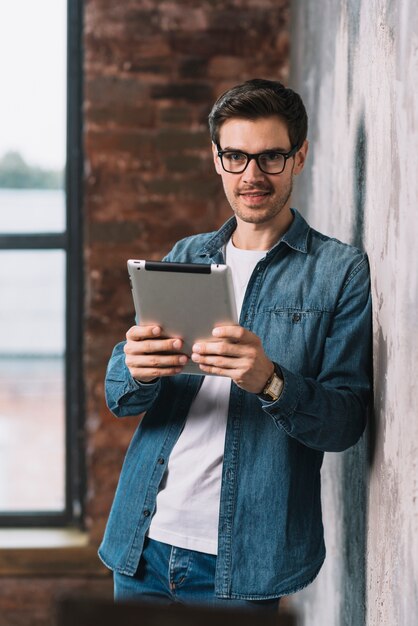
[[286, 403], [265, 397]]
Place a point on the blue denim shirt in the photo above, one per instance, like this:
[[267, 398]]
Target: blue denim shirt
[[309, 302]]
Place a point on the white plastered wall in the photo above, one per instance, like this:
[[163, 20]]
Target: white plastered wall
[[355, 64]]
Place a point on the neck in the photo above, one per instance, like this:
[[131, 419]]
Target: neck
[[248, 236]]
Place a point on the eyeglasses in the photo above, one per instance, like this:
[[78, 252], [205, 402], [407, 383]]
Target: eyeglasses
[[269, 162]]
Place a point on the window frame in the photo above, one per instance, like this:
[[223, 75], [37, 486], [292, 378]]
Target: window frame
[[71, 241]]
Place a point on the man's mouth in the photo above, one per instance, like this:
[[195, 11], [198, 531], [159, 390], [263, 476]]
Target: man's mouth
[[253, 190], [255, 195]]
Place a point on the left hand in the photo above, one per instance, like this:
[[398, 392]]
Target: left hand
[[237, 353]]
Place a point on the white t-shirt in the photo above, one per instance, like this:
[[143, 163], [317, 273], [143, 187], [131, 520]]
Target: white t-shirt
[[187, 509]]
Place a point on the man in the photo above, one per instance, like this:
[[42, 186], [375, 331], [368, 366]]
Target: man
[[219, 497]]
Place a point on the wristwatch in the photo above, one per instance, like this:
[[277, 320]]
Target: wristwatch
[[274, 386]]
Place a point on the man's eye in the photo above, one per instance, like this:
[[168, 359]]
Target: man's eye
[[271, 157], [235, 157]]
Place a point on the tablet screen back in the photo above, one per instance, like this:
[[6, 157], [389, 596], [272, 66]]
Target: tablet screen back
[[186, 300]]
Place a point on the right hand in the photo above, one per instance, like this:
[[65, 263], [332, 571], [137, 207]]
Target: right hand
[[149, 355]]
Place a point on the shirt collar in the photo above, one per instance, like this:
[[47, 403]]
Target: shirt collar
[[296, 237]]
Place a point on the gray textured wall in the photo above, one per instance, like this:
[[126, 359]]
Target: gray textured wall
[[355, 63]]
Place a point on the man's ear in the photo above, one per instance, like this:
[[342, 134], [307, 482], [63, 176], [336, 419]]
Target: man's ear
[[216, 159], [300, 157]]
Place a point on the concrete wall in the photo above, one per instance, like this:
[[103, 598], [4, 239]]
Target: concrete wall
[[355, 63]]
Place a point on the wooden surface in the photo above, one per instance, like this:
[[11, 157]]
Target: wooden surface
[[72, 561]]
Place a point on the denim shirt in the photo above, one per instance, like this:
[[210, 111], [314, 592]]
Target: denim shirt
[[309, 302]]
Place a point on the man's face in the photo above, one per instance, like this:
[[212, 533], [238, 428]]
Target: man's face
[[256, 197]]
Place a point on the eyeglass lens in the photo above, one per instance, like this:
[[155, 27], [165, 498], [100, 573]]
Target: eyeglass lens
[[268, 162]]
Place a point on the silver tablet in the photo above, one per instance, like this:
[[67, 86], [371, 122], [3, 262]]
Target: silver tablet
[[186, 299]]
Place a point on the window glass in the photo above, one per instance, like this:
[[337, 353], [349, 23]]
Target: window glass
[[32, 115], [32, 399], [32, 211], [33, 281]]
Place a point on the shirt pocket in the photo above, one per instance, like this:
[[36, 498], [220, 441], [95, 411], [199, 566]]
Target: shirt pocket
[[294, 337]]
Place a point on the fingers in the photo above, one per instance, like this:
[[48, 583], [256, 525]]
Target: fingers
[[154, 361], [148, 372], [231, 341], [150, 355], [220, 347], [219, 358], [233, 332], [137, 333], [222, 357], [149, 340], [234, 352], [153, 346]]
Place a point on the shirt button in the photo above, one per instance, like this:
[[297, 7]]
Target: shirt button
[[296, 317], [160, 461], [147, 513]]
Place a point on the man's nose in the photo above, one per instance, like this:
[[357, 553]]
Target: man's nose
[[252, 171]]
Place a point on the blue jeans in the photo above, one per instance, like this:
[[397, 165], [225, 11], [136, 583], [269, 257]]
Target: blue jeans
[[171, 575]]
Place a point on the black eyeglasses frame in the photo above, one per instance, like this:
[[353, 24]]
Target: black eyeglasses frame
[[256, 156]]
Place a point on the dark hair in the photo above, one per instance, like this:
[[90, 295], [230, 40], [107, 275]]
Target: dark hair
[[258, 98]]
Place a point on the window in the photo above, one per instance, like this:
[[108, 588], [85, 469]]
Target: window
[[41, 456]]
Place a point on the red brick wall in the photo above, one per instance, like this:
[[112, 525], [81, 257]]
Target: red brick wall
[[32, 601], [152, 73]]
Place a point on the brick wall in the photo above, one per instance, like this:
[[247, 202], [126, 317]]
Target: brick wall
[[34, 601], [152, 71]]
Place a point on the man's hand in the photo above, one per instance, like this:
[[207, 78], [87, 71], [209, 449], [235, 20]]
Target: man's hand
[[237, 353], [149, 355]]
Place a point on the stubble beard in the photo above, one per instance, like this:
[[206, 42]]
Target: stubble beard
[[261, 214]]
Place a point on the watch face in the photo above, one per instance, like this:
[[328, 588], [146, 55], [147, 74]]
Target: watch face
[[274, 388], [275, 385]]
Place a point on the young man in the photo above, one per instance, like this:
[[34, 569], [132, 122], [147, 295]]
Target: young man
[[219, 497]]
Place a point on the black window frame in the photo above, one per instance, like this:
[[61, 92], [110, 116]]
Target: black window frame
[[71, 241]]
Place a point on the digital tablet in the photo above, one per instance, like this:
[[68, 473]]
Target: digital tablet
[[186, 299]]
